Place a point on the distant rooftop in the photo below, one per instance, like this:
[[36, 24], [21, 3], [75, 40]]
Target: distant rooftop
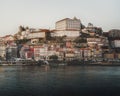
[[67, 19]]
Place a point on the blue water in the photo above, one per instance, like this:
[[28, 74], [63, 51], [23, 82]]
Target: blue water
[[59, 81]]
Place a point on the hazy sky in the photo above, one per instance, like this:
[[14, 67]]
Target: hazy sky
[[44, 13]]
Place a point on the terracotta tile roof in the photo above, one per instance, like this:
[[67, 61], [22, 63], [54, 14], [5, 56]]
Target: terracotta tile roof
[[7, 36], [41, 30]]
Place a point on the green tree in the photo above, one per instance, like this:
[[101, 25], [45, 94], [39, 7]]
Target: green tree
[[53, 57], [80, 40], [21, 28], [22, 41]]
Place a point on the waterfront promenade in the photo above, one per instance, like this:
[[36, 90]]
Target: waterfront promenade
[[57, 63], [13, 63]]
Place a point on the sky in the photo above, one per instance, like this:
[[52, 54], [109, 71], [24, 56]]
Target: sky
[[44, 13]]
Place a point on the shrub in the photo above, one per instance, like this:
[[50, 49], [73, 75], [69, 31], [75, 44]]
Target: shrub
[[54, 57]]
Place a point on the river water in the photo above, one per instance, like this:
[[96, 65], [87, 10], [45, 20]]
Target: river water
[[59, 81]]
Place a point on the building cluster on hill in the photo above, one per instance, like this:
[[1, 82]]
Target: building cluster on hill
[[69, 40]]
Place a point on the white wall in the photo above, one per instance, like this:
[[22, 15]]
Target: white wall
[[67, 33], [117, 43], [68, 24], [36, 35]]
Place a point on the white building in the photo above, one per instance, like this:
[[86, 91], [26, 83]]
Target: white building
[[68, 24], [69, 33], [37, 35], [2, 48], [116, 43], [92, 42], [68, 27]]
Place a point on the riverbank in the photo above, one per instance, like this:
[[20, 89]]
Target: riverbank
[[57, 63], [16, 63]]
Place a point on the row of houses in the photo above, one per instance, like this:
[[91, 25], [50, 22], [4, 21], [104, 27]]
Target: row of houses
[[69, 40]]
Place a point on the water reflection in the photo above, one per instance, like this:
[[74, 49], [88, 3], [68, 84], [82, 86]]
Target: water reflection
[[59, 81]]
